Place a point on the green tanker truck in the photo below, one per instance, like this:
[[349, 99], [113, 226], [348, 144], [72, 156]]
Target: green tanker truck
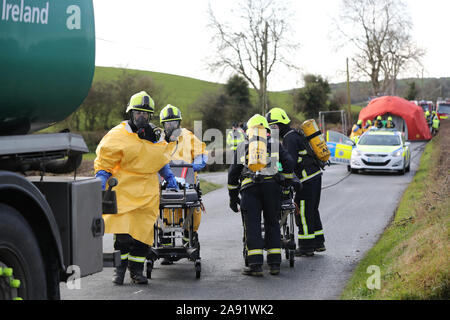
[[51, 228]]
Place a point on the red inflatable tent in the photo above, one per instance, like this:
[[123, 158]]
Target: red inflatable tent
[[411, 113]]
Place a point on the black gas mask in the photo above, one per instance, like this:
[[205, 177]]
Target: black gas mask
[[140, 120], [172, 130]]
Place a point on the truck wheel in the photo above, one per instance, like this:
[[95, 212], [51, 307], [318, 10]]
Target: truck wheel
[[20, 252]]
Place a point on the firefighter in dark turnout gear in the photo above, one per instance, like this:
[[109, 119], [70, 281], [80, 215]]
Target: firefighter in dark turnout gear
[[260, 191], [310, 232]]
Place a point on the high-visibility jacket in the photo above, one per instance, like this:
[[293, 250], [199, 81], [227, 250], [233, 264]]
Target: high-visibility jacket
[[234, 138], [436, 122], [135, 163]]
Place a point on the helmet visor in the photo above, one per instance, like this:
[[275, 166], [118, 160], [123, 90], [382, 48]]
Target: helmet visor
[[171, 125]]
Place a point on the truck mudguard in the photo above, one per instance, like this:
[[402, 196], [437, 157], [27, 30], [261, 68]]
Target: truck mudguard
[[18, 185]]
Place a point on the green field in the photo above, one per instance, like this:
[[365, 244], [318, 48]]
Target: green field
[[183, 92]]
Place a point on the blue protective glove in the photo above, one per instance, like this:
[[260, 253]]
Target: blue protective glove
[[199, 162], [103, 176], [172, 183], [168, 175]]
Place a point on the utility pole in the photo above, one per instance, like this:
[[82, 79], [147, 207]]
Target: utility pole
[[349, 100], [423, 89]]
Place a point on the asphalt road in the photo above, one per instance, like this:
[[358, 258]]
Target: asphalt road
[[355, 209]]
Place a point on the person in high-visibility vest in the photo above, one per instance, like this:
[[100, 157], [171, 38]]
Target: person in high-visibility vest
[[235, 136], [435, 123]]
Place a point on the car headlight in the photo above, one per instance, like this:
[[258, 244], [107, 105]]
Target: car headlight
[[397, 153], [357, 152]]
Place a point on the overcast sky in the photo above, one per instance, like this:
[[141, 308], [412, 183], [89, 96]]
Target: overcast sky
[[171, 36]]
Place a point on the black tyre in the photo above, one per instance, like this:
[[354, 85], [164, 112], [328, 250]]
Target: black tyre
[[291, 258], [149, 269], [198, 269], [19, 251]]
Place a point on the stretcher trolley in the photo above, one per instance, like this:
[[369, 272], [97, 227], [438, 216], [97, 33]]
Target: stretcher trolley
[[288, 211], [174, 229]]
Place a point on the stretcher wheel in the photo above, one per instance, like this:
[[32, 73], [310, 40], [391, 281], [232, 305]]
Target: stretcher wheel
[[149, 269], [291, 258], [198, 269]]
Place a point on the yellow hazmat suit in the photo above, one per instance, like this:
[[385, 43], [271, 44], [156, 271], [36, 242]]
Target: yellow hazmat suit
[[188, 147], [135, 163]]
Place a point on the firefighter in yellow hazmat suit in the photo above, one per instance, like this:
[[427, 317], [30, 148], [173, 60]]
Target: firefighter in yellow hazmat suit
[[357, 130], [132, 153], [189, 149]]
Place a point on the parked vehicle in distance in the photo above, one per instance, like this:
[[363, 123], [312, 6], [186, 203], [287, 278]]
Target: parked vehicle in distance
[[381, 150], [443, 109]]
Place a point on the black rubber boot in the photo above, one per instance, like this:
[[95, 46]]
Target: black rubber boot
[[274, 269], [320, 248], [254, 270], [137, 272], [119, 272], [304, 252]]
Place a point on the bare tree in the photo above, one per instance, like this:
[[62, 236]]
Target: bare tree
[[380, 32], [255, 46], [400, 54]]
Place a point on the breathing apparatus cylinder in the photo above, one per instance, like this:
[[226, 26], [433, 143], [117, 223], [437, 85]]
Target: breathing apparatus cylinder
[[316, 140], [257, 148]]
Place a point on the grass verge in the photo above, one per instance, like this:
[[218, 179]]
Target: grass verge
[[207, 186], [413, 254]]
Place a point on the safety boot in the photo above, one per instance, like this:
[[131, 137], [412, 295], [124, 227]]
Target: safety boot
[[320, 248], [274, 269], [119, 272], [254, 270], [137, 272], [306, 252]]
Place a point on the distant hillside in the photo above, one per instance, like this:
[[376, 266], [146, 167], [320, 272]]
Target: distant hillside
[[183, 92], [432, 89]]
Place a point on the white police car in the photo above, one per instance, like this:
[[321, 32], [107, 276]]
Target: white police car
[[384, 150]]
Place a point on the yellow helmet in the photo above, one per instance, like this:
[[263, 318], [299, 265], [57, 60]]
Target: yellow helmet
[[169, 113], [359, 121], [389, 118], [277, 115], [379, 118], [258, 120], [141, 101]]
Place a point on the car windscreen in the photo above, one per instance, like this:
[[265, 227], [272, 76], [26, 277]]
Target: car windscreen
[[379, 140], [444, 108]]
